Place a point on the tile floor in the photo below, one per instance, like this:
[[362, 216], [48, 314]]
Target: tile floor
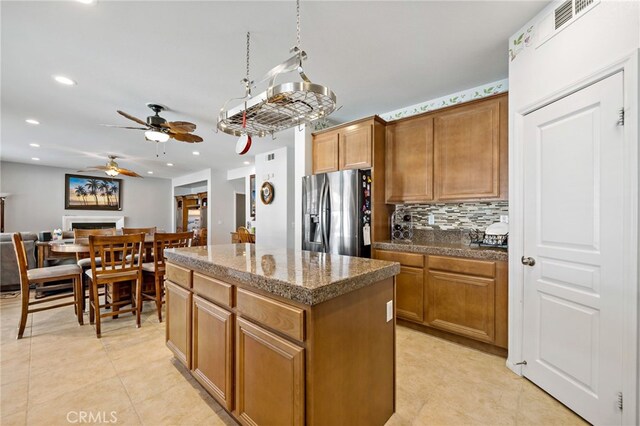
[[60, 371]]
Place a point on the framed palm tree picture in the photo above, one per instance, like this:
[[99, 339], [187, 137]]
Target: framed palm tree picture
[[92, 193]]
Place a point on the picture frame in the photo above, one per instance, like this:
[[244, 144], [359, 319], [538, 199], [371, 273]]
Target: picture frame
[[267, 192], [92, 193], [252, 195]]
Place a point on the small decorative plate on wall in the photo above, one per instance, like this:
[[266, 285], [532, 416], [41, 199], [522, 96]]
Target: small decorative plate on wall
[[267, 192]]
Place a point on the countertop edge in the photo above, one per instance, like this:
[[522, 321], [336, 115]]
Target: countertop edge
[[284, 289], [469, 253]]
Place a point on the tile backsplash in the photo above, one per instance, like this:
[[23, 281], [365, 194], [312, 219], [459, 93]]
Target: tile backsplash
[[468, 215]]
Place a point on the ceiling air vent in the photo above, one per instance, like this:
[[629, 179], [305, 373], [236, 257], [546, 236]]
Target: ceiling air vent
[[582, 4], [564, 13]]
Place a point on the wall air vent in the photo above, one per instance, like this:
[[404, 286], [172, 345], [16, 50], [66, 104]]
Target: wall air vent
[[581, 5], [564, 13], [557, 18]]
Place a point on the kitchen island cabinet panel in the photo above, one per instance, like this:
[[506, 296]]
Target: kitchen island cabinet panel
[[178, 328], [212, 362], [270, 385]]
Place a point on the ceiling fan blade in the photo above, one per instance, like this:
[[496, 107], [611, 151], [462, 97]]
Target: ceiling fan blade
[[127, 172], [185, 137], [131, 117], [94, 169], [179, 126], [124, 127]]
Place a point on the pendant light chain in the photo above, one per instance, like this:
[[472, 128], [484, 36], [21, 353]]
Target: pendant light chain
[[248, 46], [298, 24]]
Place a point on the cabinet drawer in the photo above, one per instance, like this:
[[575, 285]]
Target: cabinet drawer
[[178, 275], [281, 317], [213, 289], [406, 259], [481, 268]]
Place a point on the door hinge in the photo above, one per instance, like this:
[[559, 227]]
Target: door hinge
[[621, 117], [620, 400]]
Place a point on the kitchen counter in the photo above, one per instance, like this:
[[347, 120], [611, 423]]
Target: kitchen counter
[[445, 249], [301, 276]]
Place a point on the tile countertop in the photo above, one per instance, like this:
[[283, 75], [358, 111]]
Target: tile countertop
[[302, 276], [445, 249]]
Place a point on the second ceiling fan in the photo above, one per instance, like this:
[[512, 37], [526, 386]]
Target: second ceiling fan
[[157, 129]]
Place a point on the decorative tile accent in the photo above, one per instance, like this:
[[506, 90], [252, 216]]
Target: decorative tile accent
[[471, 215], [445, 101]]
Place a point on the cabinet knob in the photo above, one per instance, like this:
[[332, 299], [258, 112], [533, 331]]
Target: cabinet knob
[[528, 261]]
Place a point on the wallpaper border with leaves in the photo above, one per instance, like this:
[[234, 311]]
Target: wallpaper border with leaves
[[445, 101]]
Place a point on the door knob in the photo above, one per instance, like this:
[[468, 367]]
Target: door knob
[[528, 261]]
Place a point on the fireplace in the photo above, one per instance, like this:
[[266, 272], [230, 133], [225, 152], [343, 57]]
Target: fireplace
[[69, 223]]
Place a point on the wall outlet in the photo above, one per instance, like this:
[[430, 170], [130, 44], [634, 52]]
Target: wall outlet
[[389, 310], [431, 219], [504, 218]]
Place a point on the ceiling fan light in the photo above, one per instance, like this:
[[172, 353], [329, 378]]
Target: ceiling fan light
[[112, 172], [155, 136]]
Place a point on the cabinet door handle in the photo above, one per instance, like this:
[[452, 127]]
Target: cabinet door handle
[[528, 261]]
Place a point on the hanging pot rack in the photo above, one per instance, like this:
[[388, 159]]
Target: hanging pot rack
[[281, 106]]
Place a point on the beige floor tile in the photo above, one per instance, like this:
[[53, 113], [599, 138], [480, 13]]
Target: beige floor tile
[[18, 418], [151, 379], [99, 398], [14, 396]]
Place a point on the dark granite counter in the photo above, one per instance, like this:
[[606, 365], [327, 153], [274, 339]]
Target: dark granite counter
[[302, 276], [445, 249]]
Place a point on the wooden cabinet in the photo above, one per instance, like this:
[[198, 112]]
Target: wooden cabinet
[[467, 151], [409, 283], [178, 327], [409, 156], [467, 297], [270, 384], [212, 350], [355, 146], [325, 153], [455, 154]]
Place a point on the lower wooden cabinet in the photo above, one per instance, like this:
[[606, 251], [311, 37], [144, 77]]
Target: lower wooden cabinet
[[410, 293], [178, 327], [212, 350], [270, 377]]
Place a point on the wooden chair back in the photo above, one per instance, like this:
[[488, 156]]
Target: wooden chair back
[[86, 233], [121, 257], [166, 240], [200, 237], [244, 235], [147, 231], [21, 256]]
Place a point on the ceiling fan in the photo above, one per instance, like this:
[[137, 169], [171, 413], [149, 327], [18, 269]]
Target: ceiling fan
[[111, 169], [157, 129]]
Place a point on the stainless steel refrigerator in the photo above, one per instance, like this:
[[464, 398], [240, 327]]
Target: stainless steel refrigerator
[[336, 213]]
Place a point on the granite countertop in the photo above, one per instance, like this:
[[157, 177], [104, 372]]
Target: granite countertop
[[457, 249], [302, 276]]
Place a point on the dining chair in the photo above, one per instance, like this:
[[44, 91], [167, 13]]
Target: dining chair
[[200, 237], [156, 269], [41, 276], [82, 259], [120, 263], [148, 231], [244, 235]]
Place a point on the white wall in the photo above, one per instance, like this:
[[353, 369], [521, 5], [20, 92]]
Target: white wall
[[37, 193], [303, 167], [245, 174], [221, 208], [275, 222]]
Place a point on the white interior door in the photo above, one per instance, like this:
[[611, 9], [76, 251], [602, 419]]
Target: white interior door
[[573, 207]]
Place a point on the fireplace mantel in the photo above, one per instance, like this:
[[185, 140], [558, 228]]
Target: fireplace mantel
[[68, 221]]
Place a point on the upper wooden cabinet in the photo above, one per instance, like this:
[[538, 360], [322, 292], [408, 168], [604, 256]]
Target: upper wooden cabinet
[[409, 156], [355, 146], [467, 151], [325, 153], [454, 154]]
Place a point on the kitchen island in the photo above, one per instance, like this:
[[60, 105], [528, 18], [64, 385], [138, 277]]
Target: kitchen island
[[284, 337]]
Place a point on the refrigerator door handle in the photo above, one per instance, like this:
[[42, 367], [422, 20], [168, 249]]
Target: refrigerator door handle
[[325, 218]]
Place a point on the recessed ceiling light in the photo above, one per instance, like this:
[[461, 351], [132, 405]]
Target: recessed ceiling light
[[32, 121], [170, 164], [246, 162], [150, 172], [35, 145], [196, 153], [64, 80], [35, 158], [86, 1]]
